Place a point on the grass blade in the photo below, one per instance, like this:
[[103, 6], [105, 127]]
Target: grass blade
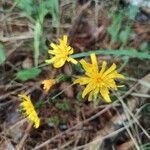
[[37, 35], [129, 53], [2, 54]]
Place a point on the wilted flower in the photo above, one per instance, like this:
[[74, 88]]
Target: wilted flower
[[61, 53], [98, 81], [47, 84], [28, 110]]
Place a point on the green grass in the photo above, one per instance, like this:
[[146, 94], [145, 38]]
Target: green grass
[[37, 10], [130, 53]]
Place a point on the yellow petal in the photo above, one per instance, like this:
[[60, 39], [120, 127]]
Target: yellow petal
[[104, 63], [111, 84], [61, 52], [94, 94], [65, 38], [37, 123], [114, 75], [50, 60], [53, 52], [111, 69], [98, 82], [86, 66], [105, 94], [29, 110], [88, 89], [47, 84], [59, 62], [70, 50], [120, 76], [82, 80], [54, 46], [94, 60], [72, 60], [90, 96], [24, 97], [89, 69]]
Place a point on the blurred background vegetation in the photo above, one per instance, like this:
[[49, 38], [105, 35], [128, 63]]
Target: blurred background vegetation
[[117, 30]]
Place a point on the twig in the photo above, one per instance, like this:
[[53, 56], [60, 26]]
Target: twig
[[12, 92], [131, 114], [15, 38], [65, 145], [85, 121], [105, 137], [22, 141], [128, 130], [74, 127], [13, 126]]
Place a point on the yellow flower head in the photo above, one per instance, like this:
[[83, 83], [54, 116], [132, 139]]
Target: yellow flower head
[[47, 84], [61, 53], [98, 81], [29, 110]]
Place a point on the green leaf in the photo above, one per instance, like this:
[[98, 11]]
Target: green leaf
[[28, 74], [38, 9], [28, 7], [65, 105], [55, 13], [130, 53], [53, 121], [2, 54], [62, 77], [39, 104], [114, 28], [43, 10], [37, 36], [144, 46], [132, 11], [53, 7], [146, 109], [124, 35], [78, 68], [145, 146]]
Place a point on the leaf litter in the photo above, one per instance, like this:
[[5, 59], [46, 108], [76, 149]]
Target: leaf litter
[[67, 121]]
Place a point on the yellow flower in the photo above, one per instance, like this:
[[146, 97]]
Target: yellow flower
[[29, 110], [47, 84], [98, 81], [61, 53]]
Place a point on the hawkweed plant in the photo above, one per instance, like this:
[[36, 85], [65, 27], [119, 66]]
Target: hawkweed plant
[[96, 81], [29, 110]]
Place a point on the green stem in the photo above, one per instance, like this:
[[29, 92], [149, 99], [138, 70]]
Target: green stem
[[42, 65], [129, 53]]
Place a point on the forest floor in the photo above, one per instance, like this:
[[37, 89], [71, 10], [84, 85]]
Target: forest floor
[[117, 31]]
